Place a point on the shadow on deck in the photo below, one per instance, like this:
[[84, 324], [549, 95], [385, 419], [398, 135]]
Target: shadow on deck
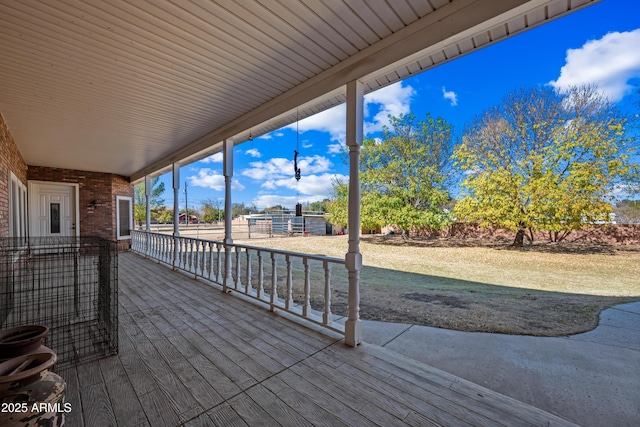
[[191, 355]]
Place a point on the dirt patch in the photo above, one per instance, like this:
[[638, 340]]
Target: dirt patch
[[449, 301]]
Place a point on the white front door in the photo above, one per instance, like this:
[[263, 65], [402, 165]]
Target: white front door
[[53, 209]]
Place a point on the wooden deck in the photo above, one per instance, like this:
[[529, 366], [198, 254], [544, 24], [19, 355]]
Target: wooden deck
[[191, 355]]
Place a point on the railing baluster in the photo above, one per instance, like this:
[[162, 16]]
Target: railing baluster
[[168, 241], [210, 260], [203, 258], [218, 264], [306, 308], [260, 276], [274, 281], [236, 282], [155, 241], [327, 317], [288, 304], [183, 252], [247, 283], [191, 256], [175, 260], [187, 254], [198, 260]]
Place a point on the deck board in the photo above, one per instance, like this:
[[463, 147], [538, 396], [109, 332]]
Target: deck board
[[191, 355], [124, 401]]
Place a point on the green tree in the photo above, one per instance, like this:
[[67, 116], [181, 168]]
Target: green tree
[[405, 176], [140, 202], [165, 215], [276, 208], [319, 206], [338, 206], [212, 211], [238, 209], [543, 160]]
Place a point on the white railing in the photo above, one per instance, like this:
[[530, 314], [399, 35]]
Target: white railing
[[300, 284]]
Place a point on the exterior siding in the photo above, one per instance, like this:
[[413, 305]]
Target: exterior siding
[[95, 220], [10, 161]]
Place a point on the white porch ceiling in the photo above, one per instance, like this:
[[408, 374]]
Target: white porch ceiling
[[130, 87]]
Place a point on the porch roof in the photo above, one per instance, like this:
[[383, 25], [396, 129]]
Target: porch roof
[[131, 87], [194, 356]]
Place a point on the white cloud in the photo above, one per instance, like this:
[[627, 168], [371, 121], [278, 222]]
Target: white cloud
[[274, 167], [279, 167], [451, 96], [268, 200], [331, 121], [253, 152], [311, 188], [215, 158], [271, 135], [335, 148], [391, 100], [311, 185], [209, 178], [608, 63]]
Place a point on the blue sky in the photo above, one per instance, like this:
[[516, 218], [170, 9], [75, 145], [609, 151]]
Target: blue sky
[[598, 45]]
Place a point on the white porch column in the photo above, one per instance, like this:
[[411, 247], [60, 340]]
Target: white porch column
[[353, 259], [147, 193], [176, 213], [227, 166]]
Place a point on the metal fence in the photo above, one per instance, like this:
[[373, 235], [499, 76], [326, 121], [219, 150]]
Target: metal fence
[[69, 285]]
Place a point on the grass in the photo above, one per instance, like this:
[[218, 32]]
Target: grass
[[545, 289]]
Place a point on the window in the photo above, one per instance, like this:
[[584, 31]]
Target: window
[[17, 207], [124, 217], [54, 218]]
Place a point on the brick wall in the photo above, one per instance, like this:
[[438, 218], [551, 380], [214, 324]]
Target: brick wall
[[10, 160], [99, 218]]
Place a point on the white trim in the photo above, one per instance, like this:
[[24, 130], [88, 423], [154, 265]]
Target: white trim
[[17, 207], [130, 200]]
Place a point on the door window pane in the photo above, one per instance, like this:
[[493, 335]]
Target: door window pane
[[54, 214]]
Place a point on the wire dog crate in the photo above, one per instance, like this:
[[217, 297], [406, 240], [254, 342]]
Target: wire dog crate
[[67, 284]]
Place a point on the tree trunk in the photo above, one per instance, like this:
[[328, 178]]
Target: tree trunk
[[519, 240]]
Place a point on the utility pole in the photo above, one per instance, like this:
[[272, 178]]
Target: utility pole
[[186, 205]]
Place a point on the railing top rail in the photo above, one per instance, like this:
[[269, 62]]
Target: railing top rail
[[255, 248], [291, 253]]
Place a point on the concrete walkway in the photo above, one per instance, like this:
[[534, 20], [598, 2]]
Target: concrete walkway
[[592, 379]]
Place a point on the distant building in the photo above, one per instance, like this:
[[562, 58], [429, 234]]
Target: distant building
[[192, 219]]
